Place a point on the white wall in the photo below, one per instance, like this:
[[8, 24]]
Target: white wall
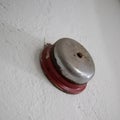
[[25, 93]]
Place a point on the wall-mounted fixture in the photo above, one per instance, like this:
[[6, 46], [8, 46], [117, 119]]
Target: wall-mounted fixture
[[68, 65]]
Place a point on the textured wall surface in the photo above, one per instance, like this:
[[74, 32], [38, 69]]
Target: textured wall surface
[[25, 25]]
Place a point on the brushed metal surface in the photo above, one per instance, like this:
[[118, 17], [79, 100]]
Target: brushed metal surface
[[74, 60]]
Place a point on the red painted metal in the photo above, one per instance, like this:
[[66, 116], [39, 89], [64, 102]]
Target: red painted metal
[[55, 77]]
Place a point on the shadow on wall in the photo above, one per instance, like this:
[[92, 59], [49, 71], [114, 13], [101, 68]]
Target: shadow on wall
[[20, 49]]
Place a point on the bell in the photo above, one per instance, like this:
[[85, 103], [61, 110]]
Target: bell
[[68, 65]]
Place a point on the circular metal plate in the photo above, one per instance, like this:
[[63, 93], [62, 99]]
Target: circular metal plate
[[74, 61]]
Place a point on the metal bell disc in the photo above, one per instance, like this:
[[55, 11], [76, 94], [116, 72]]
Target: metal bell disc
[[68, 65]]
